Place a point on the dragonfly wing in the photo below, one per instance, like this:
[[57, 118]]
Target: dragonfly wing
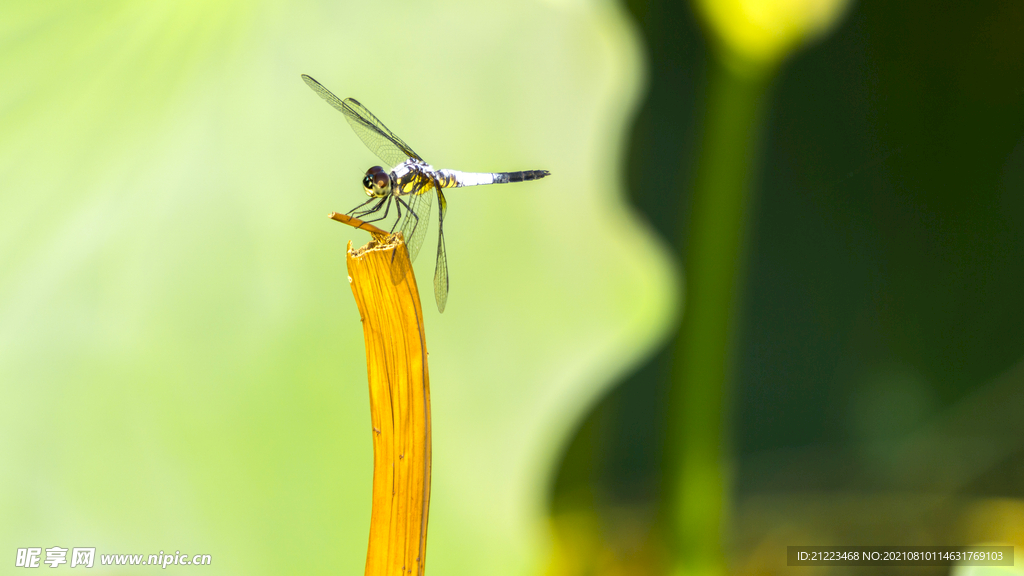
[[416, 216], [381, 141], [374, 134], [441, 267]]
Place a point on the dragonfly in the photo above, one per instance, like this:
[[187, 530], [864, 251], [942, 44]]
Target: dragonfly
[[409, 183]]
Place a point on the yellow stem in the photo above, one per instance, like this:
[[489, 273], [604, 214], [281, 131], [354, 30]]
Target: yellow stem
[[396, 366]]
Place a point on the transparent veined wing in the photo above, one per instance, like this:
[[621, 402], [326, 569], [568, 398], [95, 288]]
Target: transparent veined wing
[[441, 266], [374, 134], [415, 220]]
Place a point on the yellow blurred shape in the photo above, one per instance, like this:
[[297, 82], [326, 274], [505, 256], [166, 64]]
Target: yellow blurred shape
[[757, 34], [611, 541], [998, 521]]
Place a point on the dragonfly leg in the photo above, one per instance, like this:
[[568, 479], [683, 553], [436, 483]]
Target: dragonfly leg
[[376, 208], [411, 213], [398, 206], [353, 211], [398, 219]]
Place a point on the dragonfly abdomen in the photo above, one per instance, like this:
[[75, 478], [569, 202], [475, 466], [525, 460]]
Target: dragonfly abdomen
[[523, 176], [457, 179]]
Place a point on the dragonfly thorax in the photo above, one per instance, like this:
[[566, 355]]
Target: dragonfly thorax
[[411, 176]]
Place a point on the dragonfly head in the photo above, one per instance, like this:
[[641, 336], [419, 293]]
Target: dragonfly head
[[377, 183]]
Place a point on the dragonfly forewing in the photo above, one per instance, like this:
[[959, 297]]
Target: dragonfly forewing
[[374, 134]]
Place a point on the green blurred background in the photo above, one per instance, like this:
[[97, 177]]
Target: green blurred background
[[181, 361]]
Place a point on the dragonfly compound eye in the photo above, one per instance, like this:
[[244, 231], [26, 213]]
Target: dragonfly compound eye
[[376, 182]]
